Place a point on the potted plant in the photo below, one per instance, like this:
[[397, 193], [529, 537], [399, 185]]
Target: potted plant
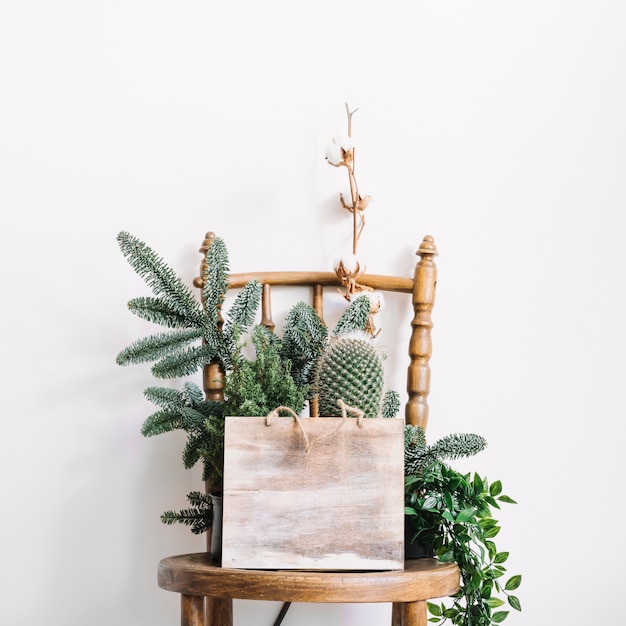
[[201, 333], [451, 514]]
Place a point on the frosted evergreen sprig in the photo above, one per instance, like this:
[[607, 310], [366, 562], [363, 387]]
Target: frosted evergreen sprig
[[355, 316], [175, 307], [304, 337], [160, 278], [187, 410], [239, 319], [157, 346], [198, 517], [418, 455], [390, 404], [158, 311]]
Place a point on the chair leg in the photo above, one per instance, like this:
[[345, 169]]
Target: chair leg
[[409, 614], [396, 614], [219, 612], [191, 610]]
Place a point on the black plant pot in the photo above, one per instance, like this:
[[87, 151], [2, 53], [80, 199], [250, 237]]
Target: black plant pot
[[216, 528], [414, 549]]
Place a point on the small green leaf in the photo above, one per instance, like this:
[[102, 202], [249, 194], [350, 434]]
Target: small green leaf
[[490, 533], [447, 557], [478, 484], [501, 557], [515, 603], [507, 499], [513, 582], [466, 515], [409, 511], [496, 488], [499, 616], [430, 503], [433, 608], [494, 603]]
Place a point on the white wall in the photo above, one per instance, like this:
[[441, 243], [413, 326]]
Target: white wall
[[497, 127]]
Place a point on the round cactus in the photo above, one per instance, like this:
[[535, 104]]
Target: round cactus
[[349, 369]]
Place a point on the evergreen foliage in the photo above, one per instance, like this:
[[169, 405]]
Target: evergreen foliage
[[417, 454], [304, 337], [355, 316], [257, 387], [391, 404], [198, 517], [175, 307], [199, 333]]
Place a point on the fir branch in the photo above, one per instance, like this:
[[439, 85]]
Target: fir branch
[[198, 517], [159, 311], [161, 422], [390, 404], [215, 278], [173, 399], [192, 452], [304, 338], [414, 436], [193, 394], [418, 455], [160, 277], [156, 346], [355, 316], [259, 386], [243, 309], [457, 445], [239, 318], [183, 362]]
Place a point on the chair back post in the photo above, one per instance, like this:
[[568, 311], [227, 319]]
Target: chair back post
[[213, 375], [420, 344]]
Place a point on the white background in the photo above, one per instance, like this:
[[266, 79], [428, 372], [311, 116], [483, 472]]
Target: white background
[[497, 127]]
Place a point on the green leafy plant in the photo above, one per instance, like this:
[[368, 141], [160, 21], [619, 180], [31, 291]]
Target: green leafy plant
[[453, 513], [202, 333]]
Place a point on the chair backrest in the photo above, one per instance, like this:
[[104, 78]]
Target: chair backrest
[[421, 287]]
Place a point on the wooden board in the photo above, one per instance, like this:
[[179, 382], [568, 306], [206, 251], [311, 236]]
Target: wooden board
[[339, 506]]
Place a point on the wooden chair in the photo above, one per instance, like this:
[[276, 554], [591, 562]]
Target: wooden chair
[[207, 590]]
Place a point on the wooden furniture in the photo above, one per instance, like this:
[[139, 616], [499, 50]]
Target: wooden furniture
[[207, 590], [195, 577]]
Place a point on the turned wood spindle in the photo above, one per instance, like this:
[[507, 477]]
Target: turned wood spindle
[[420, 345]]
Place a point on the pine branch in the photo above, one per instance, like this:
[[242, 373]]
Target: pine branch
[[418, 455], [390, 404], [158, 311], [354, 317], [304, 338], [215, 278], [193, 394], [156, 346], [243, 310], [199, 517], [161, 422], [160, 278], [183, 362], [458, 445]]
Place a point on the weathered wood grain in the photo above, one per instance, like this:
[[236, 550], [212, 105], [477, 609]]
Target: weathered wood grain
[[338, 506], [196, 574]]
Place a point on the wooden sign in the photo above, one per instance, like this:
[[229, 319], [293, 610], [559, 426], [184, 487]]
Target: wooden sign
[[315, 493]]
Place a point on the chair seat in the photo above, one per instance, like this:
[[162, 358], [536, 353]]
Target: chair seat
[[197, 575]]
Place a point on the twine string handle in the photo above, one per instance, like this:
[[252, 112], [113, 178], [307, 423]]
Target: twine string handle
[[308, 444]]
